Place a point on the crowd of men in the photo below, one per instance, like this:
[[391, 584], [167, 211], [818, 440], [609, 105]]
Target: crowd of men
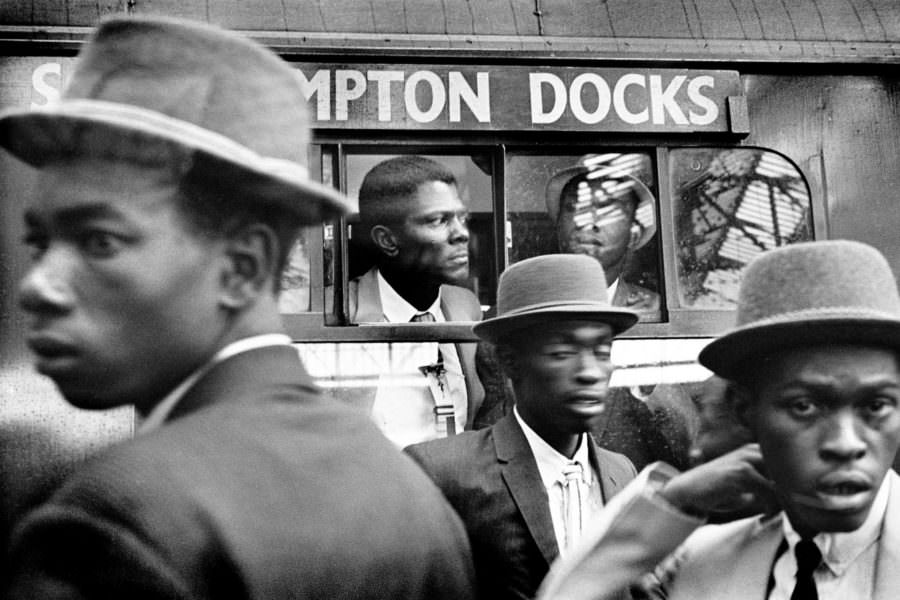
[[172, 185]]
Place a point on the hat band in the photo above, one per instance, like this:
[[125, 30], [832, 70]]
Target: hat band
[[556, 304], [131, 117], [843, 312]]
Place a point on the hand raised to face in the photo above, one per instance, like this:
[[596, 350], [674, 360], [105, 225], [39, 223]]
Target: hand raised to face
[[730, 483]]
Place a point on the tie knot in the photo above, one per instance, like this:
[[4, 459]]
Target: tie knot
[[808, 556], [422, 317], [573, 471]]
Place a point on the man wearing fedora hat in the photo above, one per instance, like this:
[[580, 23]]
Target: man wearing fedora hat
[[172, 184], [814, 362], [603, 211], [525, 485]]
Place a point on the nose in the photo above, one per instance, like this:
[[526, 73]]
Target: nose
[[592, 369], [842, 440], [44, 289], [459, 230]]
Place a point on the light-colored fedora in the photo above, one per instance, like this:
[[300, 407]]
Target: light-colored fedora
[[552, 287], [810, 293], [235, 107], [607, 180]]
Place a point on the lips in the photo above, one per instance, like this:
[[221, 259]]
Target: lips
[[53, 354], [842, 492]]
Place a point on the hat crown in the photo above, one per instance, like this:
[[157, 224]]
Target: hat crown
[[553, 279], [200, 74], [818, 280]]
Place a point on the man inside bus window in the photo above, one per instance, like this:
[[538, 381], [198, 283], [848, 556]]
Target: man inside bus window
[[172, 184], [415, 224], [816, 372], [603, 212], [525, 486]]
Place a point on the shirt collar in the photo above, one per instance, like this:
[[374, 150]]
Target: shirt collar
[[611, 290], [550, 463], [397, 310], [164, 408], [839, 550]]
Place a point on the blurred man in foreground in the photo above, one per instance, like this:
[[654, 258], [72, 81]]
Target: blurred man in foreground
[[525, 485], [172, 187], [817, 381]]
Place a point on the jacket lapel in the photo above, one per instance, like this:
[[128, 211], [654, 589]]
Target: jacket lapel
[[520, 473], [608, 483], [466, 354], [887, 573]]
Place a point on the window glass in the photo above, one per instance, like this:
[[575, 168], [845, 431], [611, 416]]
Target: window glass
[[295, 280], [441, 235], [730, 205], [601, 204]]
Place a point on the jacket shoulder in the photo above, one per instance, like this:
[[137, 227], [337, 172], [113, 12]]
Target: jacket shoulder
[[462, 300]]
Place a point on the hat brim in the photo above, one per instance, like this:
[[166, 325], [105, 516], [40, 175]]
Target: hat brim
[[497, 328], [729, 355], [41, 136], [646, 201]]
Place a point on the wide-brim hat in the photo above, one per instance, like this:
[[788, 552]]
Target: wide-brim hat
[[552, 287], [233, 106], [605, 173], [829, 292]]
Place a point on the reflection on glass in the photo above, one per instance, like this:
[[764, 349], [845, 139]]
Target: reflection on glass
[[295, 283], [599, 205], [730, 205], [405, 388], [421, 240]]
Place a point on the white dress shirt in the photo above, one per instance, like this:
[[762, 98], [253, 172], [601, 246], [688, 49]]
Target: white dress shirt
[[404, 403], [162, 410], [550, 465], [848, 569]]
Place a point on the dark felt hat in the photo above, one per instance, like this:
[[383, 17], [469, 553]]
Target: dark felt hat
[[233, 106], [552, 287], [810, 293], [604, 177]]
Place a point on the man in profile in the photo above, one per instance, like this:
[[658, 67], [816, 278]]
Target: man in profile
[[412, 218], [172, 186], [525, 486], [602, 211], [816, 374]]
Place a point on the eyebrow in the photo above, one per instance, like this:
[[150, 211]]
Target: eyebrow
[[74, 214]]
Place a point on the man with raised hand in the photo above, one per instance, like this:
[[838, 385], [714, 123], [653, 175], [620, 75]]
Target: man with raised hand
[[814, 363]]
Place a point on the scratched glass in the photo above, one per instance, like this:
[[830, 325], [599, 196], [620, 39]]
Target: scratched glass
[[731, 204]]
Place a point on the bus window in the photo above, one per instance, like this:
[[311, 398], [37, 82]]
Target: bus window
[[600, 204], [730, 204], [474, 189]]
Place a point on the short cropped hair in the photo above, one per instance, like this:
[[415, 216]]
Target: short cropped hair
[[393, 180]]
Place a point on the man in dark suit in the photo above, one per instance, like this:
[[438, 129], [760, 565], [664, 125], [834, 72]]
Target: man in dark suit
[[525, 486], [415, 225], [172, 186]]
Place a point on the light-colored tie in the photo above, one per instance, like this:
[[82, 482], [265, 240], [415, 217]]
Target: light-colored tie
[[573, 474], [423, 317]]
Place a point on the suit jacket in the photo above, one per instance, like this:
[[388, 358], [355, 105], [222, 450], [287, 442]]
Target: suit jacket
[[457, 304], [492, 480], [728, 562], [635, 297], [255, 487]]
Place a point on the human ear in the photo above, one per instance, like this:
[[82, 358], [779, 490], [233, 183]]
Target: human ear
[[636, 231], [251, 255], [508, 361], [385, 240]]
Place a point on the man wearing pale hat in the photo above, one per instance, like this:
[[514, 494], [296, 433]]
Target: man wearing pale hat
[[814, 362], [172, 184], [525, 486], [603, 211]]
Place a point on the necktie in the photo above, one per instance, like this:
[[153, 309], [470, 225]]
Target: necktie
[[422, 317], [573, 478], [808, 559]]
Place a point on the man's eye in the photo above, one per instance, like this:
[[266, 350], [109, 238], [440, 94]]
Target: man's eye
[[880, 406], [802, 407], [37, 244], [99, 244]]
